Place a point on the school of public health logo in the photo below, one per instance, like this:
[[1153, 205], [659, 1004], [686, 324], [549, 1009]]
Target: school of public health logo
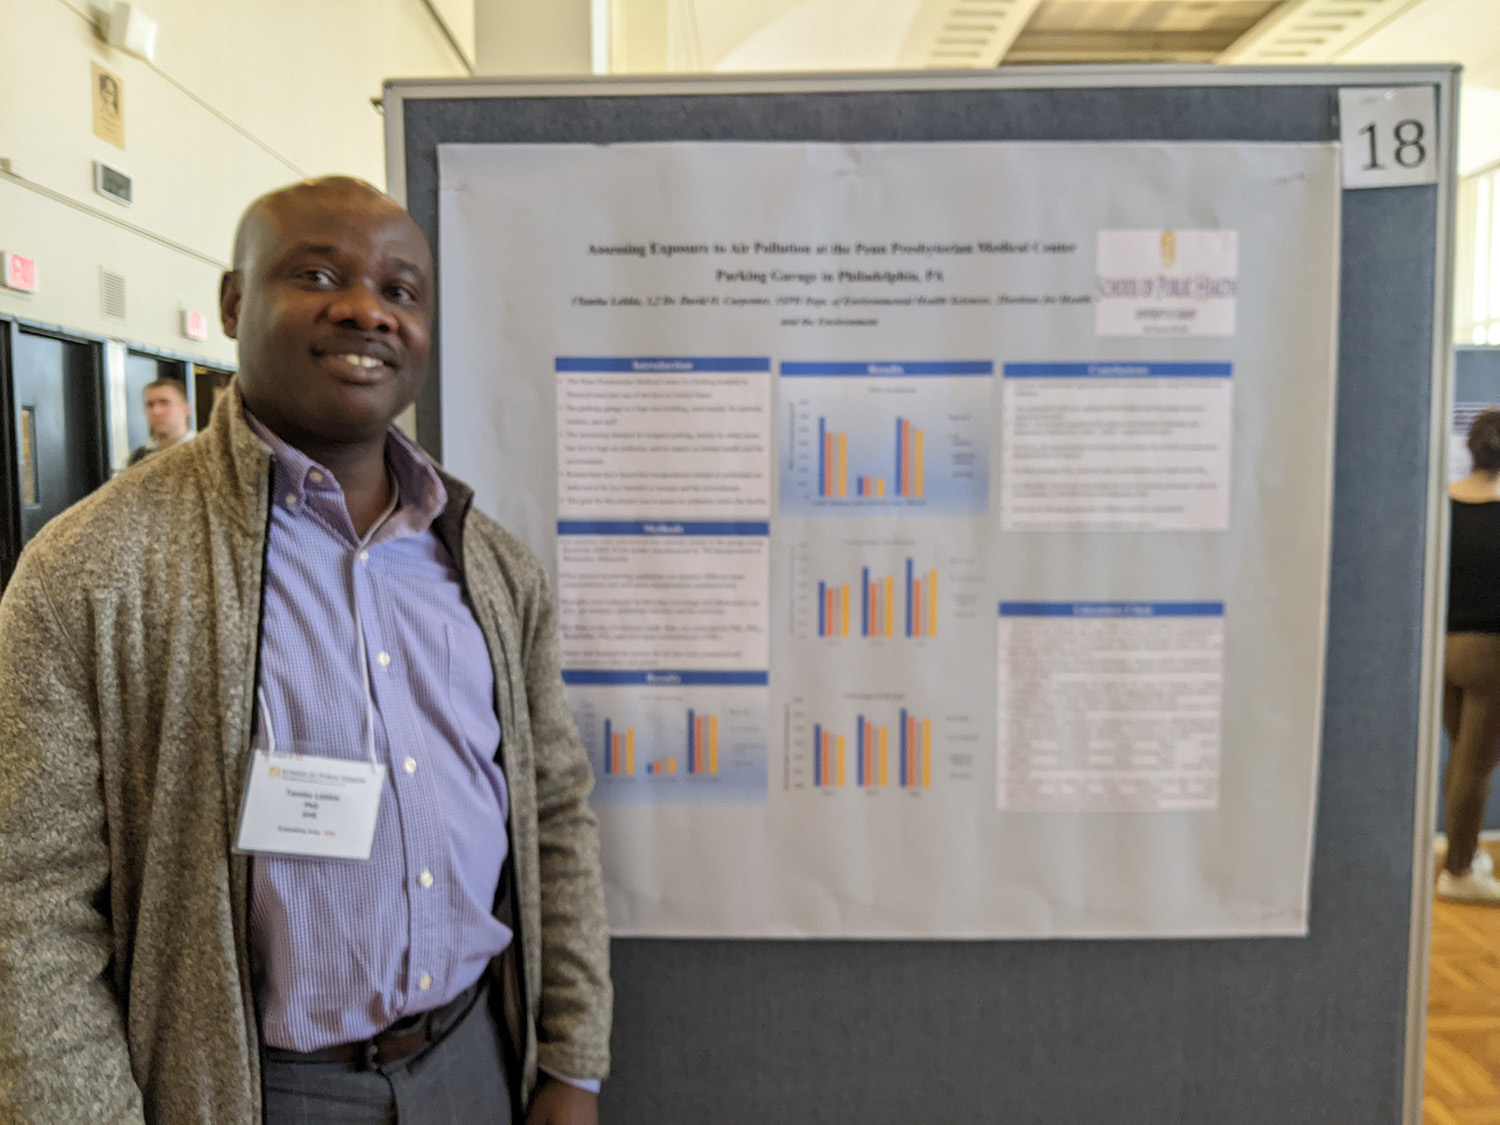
[[1168, 249], [274, 772]]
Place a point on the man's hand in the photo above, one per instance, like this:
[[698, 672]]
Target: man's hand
[[557, 1103]]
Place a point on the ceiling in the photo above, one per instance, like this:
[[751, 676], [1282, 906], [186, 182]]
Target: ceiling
[[727, 36]]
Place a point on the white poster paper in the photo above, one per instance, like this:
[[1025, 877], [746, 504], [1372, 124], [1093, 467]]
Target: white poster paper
[[788, 421]]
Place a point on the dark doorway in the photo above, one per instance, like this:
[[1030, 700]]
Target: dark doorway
[[140, 371], [55, 440], [208, 385]]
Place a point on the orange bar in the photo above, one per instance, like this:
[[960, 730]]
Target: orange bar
[[884, 757], [841, 762], [911, 751], [630, 751], [905, 457], [890, 604], [926, 753], [843, 466], [671, 765], [826, 774], [880, 486], [869, 754], [932, 603], [917, 488], [845, 589], [713, 744], [832, 629]]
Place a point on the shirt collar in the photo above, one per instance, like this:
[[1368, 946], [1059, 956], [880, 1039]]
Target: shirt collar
[[419, 489]]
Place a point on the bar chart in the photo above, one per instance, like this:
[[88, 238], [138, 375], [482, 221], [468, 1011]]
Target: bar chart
[[907, 473], [885, 436], [883, 751], [881, 612], [673, 743]]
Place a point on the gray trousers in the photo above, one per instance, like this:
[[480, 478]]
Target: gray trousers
[[458, 1080]]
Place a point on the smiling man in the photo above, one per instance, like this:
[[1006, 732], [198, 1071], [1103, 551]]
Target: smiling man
[[293, 816]]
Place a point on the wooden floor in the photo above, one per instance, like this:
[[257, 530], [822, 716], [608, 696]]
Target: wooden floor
[[1463, 1015]]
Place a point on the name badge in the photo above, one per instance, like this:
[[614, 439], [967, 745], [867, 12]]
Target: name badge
[[303, 806]]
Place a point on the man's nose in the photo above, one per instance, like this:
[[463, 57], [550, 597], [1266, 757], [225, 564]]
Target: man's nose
[[361, 305]]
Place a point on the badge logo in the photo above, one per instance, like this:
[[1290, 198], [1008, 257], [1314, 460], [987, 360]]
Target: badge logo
[[1168, 249], [273, 772]]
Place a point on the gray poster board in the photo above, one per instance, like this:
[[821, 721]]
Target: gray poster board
[[1235, 1031]]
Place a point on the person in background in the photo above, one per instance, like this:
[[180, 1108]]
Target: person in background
[[189, 931], [1471, 669], [168, 418]]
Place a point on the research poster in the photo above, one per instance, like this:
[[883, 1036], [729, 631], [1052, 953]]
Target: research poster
[[939, 531]]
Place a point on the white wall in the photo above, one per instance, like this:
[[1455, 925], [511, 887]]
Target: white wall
[[243, 96]]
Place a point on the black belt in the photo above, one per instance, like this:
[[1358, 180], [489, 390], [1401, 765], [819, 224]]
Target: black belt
[[402, 1039]]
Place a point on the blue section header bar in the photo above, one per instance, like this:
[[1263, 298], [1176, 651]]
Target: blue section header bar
[[668, 364], [659, 527], [663, 678], [882, 369], [1119, 370], [1111, 609]]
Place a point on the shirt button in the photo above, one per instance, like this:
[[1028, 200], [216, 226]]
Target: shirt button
[[315, 476], [364, 556], [425, 878], [291, 499], [410, 765], [384, 660], [426, 982]]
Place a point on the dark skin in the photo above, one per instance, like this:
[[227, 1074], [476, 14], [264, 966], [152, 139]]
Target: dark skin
[[331, 300]]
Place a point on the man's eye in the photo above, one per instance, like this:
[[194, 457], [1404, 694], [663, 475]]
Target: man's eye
[[317, 276], [402, 292]]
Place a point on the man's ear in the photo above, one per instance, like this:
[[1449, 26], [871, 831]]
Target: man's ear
[[231, 289]]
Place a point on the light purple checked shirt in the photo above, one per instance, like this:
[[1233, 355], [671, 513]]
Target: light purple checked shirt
[[341, 950]]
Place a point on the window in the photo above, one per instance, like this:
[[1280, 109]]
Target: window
[[1477, 289]]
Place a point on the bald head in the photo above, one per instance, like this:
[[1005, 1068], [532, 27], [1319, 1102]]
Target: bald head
[[261, 217], [331, 300]]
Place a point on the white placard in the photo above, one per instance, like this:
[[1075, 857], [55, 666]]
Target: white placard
[[1389, 136], [1166, 282], [1110, 706], [1116, 446]]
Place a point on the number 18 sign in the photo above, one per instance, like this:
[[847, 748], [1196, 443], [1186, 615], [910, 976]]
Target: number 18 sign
[[1389, 136]]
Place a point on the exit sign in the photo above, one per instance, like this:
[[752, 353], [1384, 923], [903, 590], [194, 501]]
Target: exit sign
[[19, 272]]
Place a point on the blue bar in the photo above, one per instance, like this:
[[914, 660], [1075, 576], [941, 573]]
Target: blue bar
[[669, 528], [1119, 370], [603, 677], [822, 610], [1111, 609], [889, 369], [864, 602], [817, 754], [898, 457], [903, 748], [666, 363], [908, 597], [822, 456], [692, 745], [609, 749], [859, 748]]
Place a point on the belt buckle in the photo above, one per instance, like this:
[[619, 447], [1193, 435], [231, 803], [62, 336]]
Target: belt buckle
[[369, 1055]]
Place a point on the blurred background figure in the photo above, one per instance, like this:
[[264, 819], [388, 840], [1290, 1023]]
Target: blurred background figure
[[168, 416], [1471, 698]]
